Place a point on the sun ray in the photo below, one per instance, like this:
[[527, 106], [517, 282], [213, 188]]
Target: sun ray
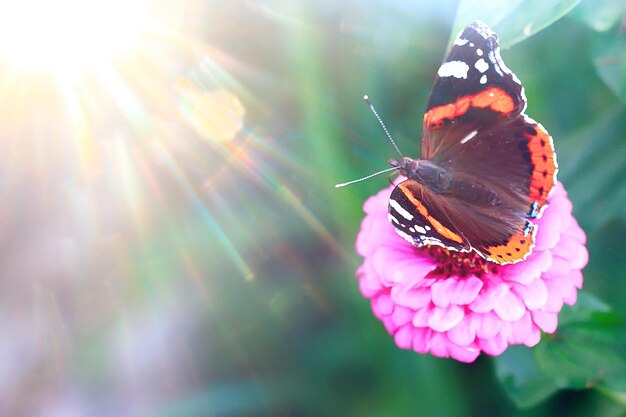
[[65, 36]]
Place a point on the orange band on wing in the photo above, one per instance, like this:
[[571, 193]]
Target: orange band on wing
[[441, 229], [494, 98], [516, 249], [544, 161]]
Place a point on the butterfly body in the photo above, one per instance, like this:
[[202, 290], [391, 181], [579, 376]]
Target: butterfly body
[[486, 169], [440, 181]]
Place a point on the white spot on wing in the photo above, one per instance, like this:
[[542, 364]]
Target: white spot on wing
[[481, 65], [397, 207], [420, 229], [392, 219], [405, 236], [502, 69], [456, 69], [470, 135], [494, 58], [428, 240], [483, 79], [479, 52], [460, 41]]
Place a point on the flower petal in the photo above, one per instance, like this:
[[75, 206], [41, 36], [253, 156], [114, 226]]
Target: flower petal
[[534, 338], [456, 291], [390, 326], [466, 354], [444, 318], [412, 298], [439, 345], [382, 306], [420, 319], [518, 331], [575, 232], [559, 266], [551, 223], [462, 334], [570, 296], [486, 325], [529, 270], [576, 278], [404, 337], [546, 321], [509, 307], [401, 315], [567, 248], [581, 259], [369, 284], [487, 298], [421, 339], [534, 294], [400, 265], [493, 346]]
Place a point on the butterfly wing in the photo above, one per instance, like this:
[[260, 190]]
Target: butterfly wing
[[425, 218], [502, 162], [472, 75], [421, 220]]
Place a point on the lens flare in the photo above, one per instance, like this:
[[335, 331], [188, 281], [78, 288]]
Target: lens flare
[[68, 35], [215, 115]]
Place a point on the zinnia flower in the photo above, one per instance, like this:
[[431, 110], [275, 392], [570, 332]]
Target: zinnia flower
[[453, 304]]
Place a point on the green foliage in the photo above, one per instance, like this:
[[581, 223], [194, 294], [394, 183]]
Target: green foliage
[[587, 351], [513, 21], [609, 57], [322, 351], [600, 16]]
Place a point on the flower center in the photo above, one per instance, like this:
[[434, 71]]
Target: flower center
[[457, 263]]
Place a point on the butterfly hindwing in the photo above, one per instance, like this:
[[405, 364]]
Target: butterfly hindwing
[[419, 220]]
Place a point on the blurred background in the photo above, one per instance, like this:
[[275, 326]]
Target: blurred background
[[172, 241]]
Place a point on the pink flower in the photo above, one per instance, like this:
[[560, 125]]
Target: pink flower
[[453, 304]]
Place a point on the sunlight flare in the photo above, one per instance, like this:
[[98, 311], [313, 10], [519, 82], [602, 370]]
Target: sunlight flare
[[67, 35]]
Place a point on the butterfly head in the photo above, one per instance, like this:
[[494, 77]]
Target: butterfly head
[[423, 171], [407, 167]]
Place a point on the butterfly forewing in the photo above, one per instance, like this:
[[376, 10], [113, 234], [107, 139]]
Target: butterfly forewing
[[472, 75]]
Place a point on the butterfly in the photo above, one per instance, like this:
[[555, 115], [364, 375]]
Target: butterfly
[[486, 168]]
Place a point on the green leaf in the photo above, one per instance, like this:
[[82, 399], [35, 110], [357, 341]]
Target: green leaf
[[609, 58], [600, 15], [607, 262], [530, 18], [591, 164], [513, 21], [523, 380], [587, 308], [587, 351], [491, 12]]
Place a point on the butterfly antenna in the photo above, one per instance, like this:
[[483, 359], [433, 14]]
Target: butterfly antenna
[[365, 178], [371, 106]]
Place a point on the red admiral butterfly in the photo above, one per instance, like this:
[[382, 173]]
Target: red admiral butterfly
[[485, 169]]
